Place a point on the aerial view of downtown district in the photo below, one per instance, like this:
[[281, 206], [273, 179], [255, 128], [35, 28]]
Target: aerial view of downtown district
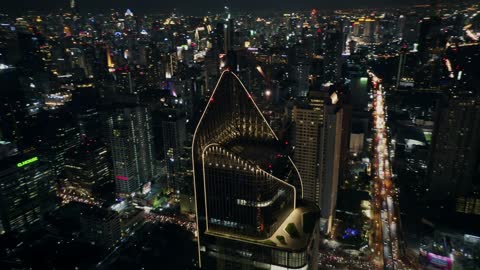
[[240, 135]]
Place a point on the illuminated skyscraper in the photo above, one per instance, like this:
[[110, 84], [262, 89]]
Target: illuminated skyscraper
[[60, 137], [131, 143], [170, 139], [87, 170], [250, 211], [27, 191], [12, 105], [401, 26], [455, 146], [455, 152], [332, 53], [318, 135], [308, 123], [300, 64]]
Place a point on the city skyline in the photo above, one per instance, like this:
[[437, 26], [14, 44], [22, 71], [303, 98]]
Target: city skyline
[[215, 6], [307, 135]]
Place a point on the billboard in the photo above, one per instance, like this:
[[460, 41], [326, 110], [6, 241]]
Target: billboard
[[437, 261]]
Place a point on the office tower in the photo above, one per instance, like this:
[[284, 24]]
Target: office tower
[[300, 64], [153, 61], [342, 108], [332, 54], [169, 65], [229, 43], [124, 83], [97, 54], [248, 192], [228, 40], [170, 140], [300, 73], [431, 47], [58, 137], [370, 29], [218, 38], [429, 38], [402, 57], [100, 225], [401, 26], [77, 61], [184, 181], [88, 122], [131, 144], [86, 170], [318, 139], [73, 6], [27, 191], [455, 151], [13, 109]]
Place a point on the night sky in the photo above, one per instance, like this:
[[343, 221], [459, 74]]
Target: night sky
[[198, 6]]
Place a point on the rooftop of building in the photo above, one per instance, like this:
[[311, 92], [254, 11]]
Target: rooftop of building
[[96, 212], [259, 151]]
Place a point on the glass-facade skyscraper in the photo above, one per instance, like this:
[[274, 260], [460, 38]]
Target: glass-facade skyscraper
[[131, 142], [27, 191], [249, 194]]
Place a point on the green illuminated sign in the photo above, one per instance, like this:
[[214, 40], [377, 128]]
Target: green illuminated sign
[[28, 161]]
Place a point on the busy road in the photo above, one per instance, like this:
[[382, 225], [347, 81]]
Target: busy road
[[178, 220], [386, 242]]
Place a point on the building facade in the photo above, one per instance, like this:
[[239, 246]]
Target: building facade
[[100, 225], [249, 195], [27, 191], [318, 134], [87, 169], [131, 143], [455, 151]]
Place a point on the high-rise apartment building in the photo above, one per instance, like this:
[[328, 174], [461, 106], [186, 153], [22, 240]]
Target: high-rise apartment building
[[249, 194], [131, 143], [455, 147], [309, 120], [400, 27], [300, 64], [318, 138], [455, 151], [332, 53]]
